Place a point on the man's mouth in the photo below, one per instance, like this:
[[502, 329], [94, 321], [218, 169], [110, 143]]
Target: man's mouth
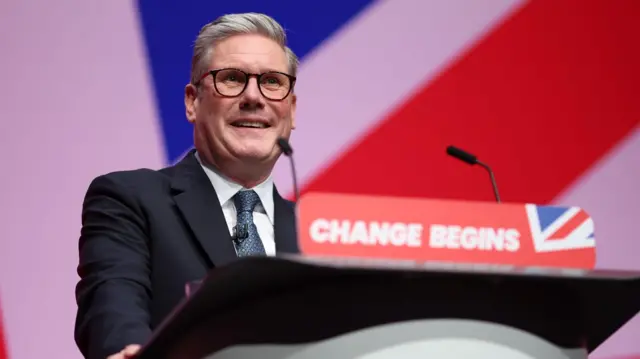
[[250, 124]]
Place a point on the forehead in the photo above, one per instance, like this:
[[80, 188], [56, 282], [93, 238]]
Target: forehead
[[249, 52]]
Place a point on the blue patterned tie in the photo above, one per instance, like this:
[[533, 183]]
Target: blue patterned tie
[[248, 241]]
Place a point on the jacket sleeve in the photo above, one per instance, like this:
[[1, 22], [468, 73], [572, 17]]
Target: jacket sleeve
[[114, 289]]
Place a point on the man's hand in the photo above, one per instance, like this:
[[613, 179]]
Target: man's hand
[[128, 352]]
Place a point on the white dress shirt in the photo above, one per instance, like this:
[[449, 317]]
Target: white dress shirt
[[263, 214]]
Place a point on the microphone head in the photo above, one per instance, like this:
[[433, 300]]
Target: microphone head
[[462, 155], [241, 232], [285, 146]]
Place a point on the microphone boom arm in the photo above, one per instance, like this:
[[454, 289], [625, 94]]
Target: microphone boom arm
[[285, 147], [493, 179], [295, 180], [470, 159]]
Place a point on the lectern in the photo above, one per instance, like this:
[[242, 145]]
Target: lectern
[[446, 280], [297, 307]]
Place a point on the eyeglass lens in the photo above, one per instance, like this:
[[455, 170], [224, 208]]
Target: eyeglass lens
[[231, 82]]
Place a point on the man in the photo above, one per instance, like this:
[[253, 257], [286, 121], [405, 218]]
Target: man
[[147, 233]]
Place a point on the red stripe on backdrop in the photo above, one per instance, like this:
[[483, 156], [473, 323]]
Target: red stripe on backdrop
[[3, 348], [541, 98]]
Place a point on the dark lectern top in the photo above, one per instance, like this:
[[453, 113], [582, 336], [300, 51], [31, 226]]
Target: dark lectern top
[[293, 299]]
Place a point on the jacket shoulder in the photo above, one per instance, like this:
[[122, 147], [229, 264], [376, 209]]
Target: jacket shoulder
[[134, 182], [133, 177]]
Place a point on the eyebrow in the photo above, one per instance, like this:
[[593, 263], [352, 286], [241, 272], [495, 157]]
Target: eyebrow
[[260, 70]]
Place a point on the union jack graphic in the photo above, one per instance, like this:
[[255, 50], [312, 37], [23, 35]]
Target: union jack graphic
[[560, 228]]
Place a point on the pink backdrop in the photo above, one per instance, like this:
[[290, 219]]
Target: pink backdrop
[[75, 101]]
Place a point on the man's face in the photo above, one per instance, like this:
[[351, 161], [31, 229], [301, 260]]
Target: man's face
[[245, 127]]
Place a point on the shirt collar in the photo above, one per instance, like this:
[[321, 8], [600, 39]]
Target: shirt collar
[[226, 189]]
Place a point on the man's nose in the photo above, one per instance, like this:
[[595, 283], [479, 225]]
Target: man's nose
[[252, 92]]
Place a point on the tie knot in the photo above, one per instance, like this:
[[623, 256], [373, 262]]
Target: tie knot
[[246, 201]]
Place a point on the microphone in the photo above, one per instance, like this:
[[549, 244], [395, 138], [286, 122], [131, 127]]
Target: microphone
[[241, 232], [473, 160], [285, 147]]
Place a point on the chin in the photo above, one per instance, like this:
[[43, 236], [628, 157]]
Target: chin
[[254, 154], [256, 149]]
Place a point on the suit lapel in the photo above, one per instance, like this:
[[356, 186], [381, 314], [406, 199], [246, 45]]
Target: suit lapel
[[197, 201], [285, 225]]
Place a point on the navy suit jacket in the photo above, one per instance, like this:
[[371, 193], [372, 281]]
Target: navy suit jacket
[[145, 234]]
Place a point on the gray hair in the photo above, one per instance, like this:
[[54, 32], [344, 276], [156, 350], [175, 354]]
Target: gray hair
[[236, 24]]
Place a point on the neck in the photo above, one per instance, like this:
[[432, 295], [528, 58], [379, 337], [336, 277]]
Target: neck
[[246, 175]]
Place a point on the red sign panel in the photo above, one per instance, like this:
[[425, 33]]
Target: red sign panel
[[443, 230]]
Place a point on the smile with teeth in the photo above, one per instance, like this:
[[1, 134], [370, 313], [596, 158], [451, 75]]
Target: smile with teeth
[[250, 124]]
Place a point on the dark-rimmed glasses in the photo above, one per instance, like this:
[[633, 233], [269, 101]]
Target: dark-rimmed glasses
[[232, 82]]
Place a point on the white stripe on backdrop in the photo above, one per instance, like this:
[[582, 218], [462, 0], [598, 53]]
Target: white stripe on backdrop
[[330, 118]]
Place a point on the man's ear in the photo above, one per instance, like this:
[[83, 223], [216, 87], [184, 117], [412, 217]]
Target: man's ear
[[294, 100], [191, 102]]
